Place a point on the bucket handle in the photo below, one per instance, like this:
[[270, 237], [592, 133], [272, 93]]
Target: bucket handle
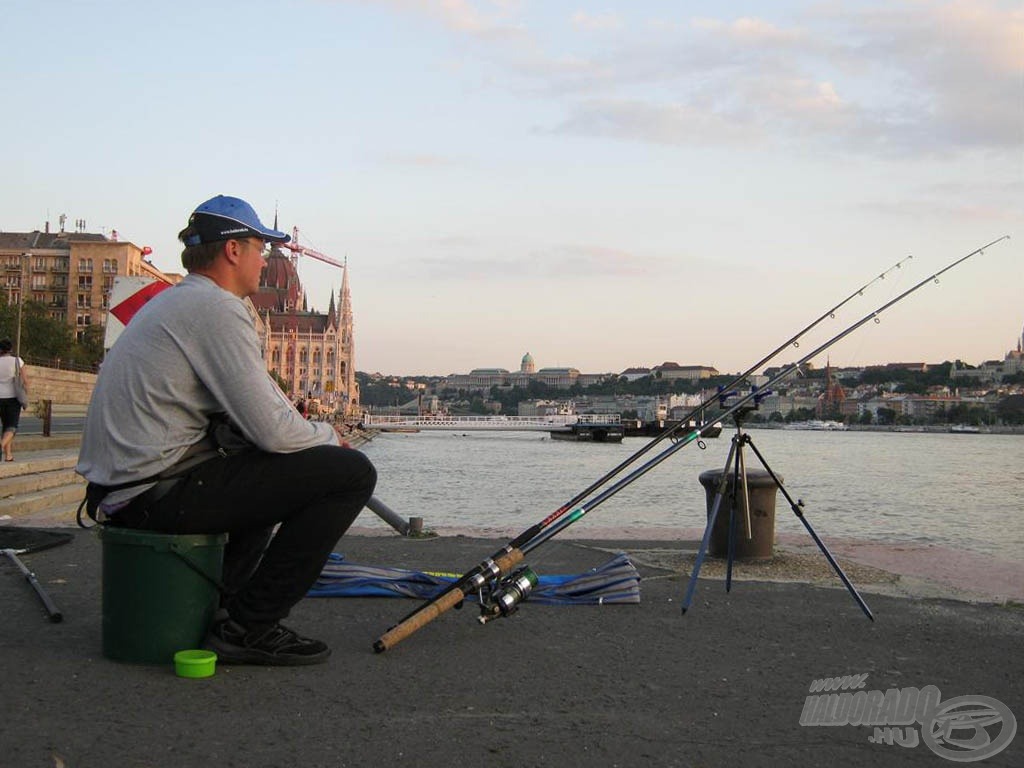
[[180, 551]]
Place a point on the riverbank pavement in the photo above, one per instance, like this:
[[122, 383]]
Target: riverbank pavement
[[726, 684], [625, 685]]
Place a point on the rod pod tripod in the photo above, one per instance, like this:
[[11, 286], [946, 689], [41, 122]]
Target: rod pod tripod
[[736, 464]]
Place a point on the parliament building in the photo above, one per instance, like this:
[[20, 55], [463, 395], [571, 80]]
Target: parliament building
[[313, 353]]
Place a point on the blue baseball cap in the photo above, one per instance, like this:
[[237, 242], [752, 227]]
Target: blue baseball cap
[[228, 218]]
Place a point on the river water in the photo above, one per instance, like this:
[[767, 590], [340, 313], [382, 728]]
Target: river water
[[956, 491]]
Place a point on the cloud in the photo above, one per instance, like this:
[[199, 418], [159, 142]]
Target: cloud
[[596, 22], [463, 16], [590, 261], [907, 79], [950, 201], [580, 262], [419, 161], [942, 211], [751, 31], [654, 123]]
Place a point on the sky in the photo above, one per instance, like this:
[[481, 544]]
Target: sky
[[603, 185]]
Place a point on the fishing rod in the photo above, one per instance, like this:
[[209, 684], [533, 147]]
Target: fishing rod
[[697, 411], [502, 562], [667, 433]]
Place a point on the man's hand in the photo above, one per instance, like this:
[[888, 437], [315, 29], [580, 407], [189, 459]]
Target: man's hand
[[341, 430]]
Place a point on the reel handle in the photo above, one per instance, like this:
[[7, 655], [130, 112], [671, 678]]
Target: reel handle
[[441, 604]]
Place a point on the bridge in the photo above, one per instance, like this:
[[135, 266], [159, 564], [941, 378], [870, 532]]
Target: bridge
[[596, 427]]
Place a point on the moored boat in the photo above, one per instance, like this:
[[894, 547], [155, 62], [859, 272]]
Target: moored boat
[[965, 429], [818, 425]]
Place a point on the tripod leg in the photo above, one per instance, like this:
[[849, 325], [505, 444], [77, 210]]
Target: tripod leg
[[739, 473], [712, 516], [51, 609], [798, 511], [748, 529]]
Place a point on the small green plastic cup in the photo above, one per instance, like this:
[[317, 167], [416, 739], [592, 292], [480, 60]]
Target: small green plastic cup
[[195, 664]]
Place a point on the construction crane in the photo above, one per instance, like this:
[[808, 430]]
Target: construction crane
[[296, 249]]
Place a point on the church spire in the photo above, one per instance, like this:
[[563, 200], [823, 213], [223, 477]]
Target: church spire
[[345, 319], [347, 337]]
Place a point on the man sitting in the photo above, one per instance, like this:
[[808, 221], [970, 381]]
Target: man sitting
[[191, 355]]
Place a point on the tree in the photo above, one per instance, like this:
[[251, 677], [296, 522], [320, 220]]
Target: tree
[[42, 337], [886, 416], [1011, 409], [284, 384], [800, 414], [912, 388], [88, 352]]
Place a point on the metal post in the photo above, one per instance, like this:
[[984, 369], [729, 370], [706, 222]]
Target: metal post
[[21, 300], [389, 516]]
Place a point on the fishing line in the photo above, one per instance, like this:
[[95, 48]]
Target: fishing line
[[856, 354]]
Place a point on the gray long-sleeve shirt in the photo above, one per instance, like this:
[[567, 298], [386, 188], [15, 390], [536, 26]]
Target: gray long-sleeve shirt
[[191, 351]]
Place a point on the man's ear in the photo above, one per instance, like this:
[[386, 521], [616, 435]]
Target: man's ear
[[232, 251]]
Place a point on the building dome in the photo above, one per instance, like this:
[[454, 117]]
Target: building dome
[[528, 366], [280, 289], [279, 272]]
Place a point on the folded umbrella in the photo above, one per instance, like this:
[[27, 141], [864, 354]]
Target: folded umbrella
[[615, 582]]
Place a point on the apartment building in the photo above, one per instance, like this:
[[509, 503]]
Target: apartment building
[[71, 273]]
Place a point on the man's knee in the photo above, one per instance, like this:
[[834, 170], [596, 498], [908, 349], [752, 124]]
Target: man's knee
[[350, 470], [363, 471]]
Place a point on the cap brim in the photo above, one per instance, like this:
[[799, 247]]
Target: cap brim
[[216, 227]]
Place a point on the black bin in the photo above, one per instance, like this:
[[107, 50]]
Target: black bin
[[762, 490]]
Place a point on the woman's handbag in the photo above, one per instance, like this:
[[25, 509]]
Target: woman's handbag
[[19, 386]]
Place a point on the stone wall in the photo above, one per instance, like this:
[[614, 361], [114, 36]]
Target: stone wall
[[60, 387]]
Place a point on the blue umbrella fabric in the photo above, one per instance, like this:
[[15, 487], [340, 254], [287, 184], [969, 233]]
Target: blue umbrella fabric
[[615, 582]]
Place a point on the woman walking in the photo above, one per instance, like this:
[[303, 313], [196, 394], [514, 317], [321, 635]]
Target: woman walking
[[11, 366]]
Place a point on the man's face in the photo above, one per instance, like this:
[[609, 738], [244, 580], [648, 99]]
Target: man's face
[[252, 263]]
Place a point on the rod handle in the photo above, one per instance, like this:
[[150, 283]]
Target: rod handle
[[441, 604]]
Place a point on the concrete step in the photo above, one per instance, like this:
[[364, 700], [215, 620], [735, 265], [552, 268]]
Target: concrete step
[[17, 507], [20, 485], [59, 516], [29, 443], [38, 461]]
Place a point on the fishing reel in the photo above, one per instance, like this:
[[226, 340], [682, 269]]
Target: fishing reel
[[503, 596]]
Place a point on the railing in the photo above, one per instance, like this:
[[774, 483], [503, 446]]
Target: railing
[[554, 423], [60, 364], [598, 418]]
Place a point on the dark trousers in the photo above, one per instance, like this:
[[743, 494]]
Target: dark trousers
[[10, 413], [313, 494]]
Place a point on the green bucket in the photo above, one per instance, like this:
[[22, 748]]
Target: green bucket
[[156, 600]]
